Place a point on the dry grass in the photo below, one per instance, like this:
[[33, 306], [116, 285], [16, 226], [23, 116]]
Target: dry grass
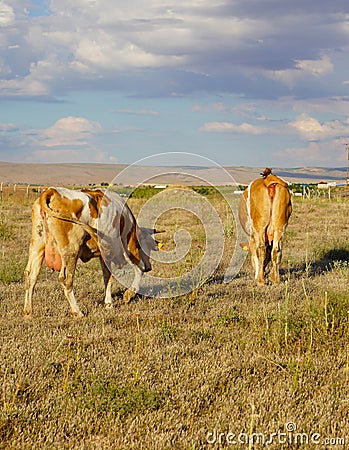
[[163, 373]]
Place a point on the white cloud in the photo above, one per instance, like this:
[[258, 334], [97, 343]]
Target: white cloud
[[302, 69], [69, 139], [8, 127], [103, 53], [7, 15], [228, 127], [23, 87], [309, 128], [315, 67], [224, 45], [69, 131]]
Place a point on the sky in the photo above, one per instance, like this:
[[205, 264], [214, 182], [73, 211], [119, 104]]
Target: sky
[[242, 82]]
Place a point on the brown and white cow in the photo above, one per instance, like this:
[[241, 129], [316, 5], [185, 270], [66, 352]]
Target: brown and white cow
[[264, 210], [71, 224]]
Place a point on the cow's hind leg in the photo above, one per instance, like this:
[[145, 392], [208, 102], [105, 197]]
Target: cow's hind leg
[[268, 250], [258, 252], [261, 249], [31, 273], [66, 277], [254, 259], [276, 255]]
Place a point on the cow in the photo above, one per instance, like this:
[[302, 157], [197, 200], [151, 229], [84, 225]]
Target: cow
[[68, 225], [264, 211]]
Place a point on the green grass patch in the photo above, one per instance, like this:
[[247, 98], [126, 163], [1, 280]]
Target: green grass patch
[[6, 232], [108, 396], [11, 271]]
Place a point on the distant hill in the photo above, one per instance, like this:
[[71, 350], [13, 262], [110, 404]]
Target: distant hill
[[85, 174]]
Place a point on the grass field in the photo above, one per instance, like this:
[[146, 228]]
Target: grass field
[[224, 366]]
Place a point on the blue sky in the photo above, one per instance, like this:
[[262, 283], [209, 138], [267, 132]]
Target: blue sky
[[242, 82]]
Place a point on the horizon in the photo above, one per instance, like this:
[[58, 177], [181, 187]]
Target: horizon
[[96, 173], [177, 166]]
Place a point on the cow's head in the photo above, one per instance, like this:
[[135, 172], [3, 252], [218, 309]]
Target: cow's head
[[140, 246]]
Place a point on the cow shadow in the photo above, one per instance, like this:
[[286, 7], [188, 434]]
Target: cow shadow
[[313, 269], [325, 264]]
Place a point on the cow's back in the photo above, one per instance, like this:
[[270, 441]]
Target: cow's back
[[62, 236]]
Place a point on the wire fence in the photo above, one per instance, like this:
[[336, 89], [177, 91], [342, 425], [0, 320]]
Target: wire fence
[[20, 191], [31, 191]]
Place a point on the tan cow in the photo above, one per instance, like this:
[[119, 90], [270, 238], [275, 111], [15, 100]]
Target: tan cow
[[264, 210], [71, 224]]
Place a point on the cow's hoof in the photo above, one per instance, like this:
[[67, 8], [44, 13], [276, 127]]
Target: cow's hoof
[[128, 295], [27, 315], [274, 280], [78, 314], [109, 306]]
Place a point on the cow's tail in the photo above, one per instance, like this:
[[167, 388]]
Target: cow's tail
[[45, 200], [271, 182]]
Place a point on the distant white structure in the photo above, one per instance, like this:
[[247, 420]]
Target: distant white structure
[[326, 184]]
